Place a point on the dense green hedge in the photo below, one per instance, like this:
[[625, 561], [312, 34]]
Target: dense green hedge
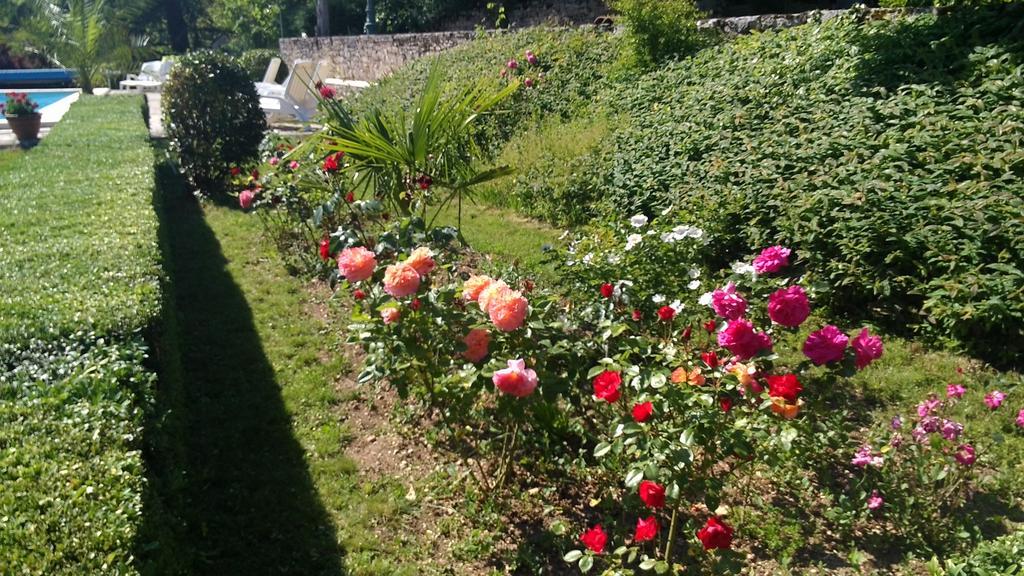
[[886, 151], [79, 283]]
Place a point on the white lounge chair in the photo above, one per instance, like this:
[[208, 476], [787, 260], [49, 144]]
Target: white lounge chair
[[151, 77], [273, 67], [294, 98]]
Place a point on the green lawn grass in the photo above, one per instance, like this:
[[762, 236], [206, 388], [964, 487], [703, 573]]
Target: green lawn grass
[[254, 478]]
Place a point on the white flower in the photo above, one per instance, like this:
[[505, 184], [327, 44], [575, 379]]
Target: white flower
[[668, 237], [588, 257], [742, 268], [614, 258], [638, 221], [694, 273], [658, 298], [705, 299], [632, 240], [684, 231], [677, 306], [693, 285]]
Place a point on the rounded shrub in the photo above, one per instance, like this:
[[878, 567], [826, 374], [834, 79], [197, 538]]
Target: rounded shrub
[[213, 118]]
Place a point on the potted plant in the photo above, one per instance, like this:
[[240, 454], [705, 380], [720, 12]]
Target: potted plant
[[23, 116]]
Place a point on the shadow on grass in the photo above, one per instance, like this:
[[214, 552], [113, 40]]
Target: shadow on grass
[[229, 490]]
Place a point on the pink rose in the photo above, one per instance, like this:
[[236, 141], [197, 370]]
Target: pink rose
[[491, 293], [246, 198], [994, 399], [472, 287], [739, 338], [516, 380], [965, 455], [293, 165], [508, 310], [955, 391], [512, 64], [772, 260], [274, 161], [1020, 418], [422, 259], [390, 315], [531, 58], [789, 306], [727, 303], [476, 342], [875, 501], [826, 345], [356, 264], [867, 347], [401, 280]]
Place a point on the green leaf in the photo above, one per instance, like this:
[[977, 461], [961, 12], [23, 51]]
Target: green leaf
[[572, 555], [602, 449], [633, 478], [586, 563]]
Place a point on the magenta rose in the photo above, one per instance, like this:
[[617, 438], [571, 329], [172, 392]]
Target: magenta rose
[[727, 303], [826, 345], [867, 347], [739, 338], [772, 259], [789, 306]]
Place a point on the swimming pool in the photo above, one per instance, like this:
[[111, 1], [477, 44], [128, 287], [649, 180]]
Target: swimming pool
[[43, 97]]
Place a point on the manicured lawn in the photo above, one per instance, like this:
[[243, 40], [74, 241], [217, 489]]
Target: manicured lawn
[[254, 473]]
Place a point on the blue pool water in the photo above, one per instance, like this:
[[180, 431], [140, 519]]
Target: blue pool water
[[43, 98]]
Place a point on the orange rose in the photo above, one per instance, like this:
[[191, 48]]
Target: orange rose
[[421, 259], [472, 288], [401, 280], [508, 310]]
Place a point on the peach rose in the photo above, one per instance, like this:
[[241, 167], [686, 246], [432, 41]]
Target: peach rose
[[356, 264], [491, 293], [472, 288], [401, 280], [507, 310], [477, 342], [422, 259], [516, 380], [390, 315], [788, 410]]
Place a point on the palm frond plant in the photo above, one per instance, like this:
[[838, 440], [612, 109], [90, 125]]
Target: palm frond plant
[[416, 162], [77, 35]]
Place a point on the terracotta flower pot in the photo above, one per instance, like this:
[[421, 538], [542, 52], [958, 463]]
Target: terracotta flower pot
[[25, 126]]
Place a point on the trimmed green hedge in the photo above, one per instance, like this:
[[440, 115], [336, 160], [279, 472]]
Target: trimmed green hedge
[[79, 283]]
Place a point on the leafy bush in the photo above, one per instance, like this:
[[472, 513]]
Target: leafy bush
[[662, 29], [79, 275], [573, 69], [1000, 556], [886, 150], [255, 63], [213, 118]]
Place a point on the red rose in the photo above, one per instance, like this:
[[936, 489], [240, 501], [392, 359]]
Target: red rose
[[607, 290], [646, 529], [606, 386], [235, 170], [637, 315], [710, 358], [255, 174], [715, 534], [425, 182], [652, 493], [710, 326], [594, 539], [725, 403], [359, 294], [325, 248], [350, 197], [786, 386], [642, 411], [687, 333], [415, 304], [666, 313], [330, 164]]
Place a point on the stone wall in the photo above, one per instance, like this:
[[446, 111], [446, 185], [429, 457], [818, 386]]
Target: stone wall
[[369, 58]]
